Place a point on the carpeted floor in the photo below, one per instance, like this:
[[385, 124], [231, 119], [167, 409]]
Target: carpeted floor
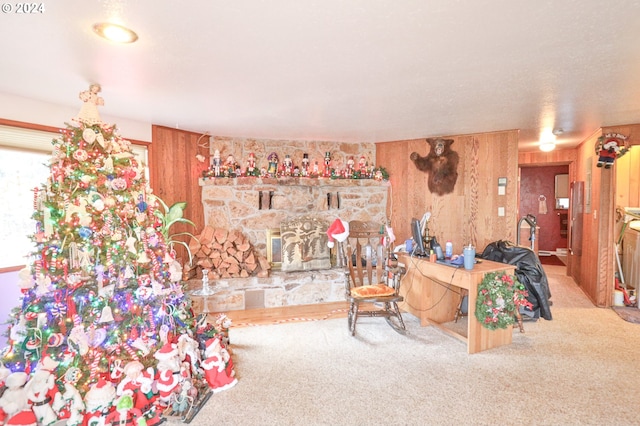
[[581, 368]]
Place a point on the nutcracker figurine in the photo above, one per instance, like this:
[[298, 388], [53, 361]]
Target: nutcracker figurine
[[305, 165], [216, 163], [327, 165], [251, 165], [287, 166], [350, 168]]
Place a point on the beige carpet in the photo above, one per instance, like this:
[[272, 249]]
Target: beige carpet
[[583, 367]]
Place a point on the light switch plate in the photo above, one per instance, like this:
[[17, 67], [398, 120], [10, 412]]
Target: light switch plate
[[500, 211]]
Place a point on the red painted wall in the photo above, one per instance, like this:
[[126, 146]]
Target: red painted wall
[[534, 182]]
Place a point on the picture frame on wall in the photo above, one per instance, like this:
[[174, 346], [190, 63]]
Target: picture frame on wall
[[274, 248]]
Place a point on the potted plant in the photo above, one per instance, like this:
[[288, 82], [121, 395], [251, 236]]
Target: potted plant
[[169, 216]]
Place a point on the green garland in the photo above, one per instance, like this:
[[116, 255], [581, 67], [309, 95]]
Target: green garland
[[499, 296]]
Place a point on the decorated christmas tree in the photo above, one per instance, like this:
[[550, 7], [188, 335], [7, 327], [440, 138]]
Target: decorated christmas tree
[[104, 327]]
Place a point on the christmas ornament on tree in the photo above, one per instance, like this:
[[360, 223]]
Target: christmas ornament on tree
[[101, 296]]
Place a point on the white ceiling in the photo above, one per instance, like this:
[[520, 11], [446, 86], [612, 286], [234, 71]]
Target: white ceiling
[[339, 70]]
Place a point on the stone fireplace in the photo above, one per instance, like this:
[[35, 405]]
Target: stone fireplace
[[254, 206]]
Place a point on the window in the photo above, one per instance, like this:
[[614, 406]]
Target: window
[[24, 157], [562, 203], [24, 165], [562, 191], [20, 172]]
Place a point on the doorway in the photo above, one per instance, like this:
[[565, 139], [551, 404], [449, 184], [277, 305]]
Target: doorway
[[538, 197]]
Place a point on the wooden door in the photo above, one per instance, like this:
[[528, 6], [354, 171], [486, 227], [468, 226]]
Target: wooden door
[[174, 172]]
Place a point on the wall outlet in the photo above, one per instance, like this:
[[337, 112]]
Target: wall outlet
[[500, 211]]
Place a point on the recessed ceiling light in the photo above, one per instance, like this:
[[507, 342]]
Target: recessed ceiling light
[[114, 32]]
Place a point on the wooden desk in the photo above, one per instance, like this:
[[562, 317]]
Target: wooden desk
[[432, 293]]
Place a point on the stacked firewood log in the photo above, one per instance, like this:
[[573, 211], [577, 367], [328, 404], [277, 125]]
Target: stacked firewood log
[[226, 254]]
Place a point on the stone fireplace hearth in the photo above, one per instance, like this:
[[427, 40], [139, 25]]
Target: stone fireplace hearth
[[278, 290], [255, 205]]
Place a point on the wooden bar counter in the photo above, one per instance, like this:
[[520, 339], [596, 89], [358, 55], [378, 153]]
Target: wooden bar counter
[[432, 292]]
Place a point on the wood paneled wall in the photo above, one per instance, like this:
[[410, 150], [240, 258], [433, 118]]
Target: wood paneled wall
[[590, 269], [557, 156], [470, 213]]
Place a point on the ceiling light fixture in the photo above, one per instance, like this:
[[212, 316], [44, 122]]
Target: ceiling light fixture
[[547, 139], [547, 146], [114, 32]]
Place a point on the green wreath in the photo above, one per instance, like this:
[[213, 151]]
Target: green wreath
[[499, 296]]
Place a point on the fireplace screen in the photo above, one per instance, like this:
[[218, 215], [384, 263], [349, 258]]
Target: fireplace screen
[[304, 244]]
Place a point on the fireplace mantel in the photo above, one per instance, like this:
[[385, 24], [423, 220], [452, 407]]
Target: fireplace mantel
[[293, 181]]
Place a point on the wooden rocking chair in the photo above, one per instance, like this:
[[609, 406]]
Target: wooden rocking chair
[[370, 277]]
